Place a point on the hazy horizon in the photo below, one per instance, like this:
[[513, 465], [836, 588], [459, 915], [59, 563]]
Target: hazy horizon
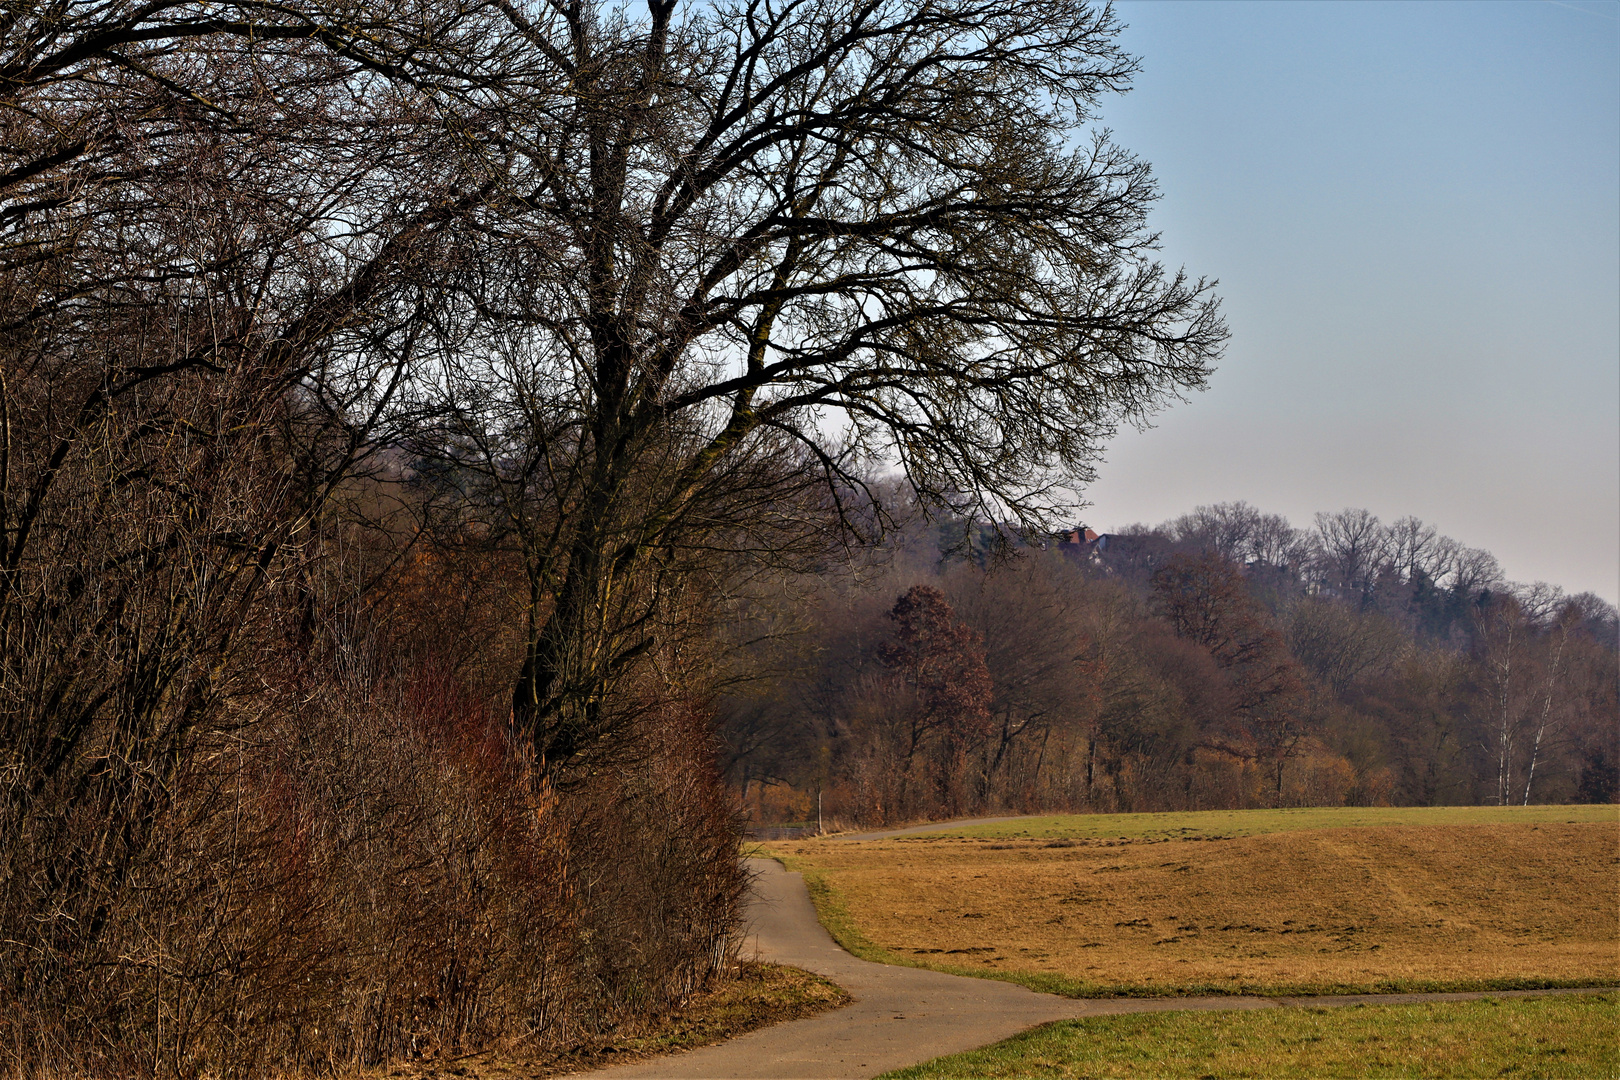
[[1414, 213]]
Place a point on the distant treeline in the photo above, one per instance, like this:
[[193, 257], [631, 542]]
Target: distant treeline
[[1224, 659]]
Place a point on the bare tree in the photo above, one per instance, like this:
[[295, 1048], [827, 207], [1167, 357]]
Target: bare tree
[[1540, 601], [1474, 570], [1229, 529], [1277, 543], [1204, 599], [1043, 665], [1416, 548], [1546, 720], [214, 226], [751, 244], [1340, 644], [1353, 546], [1502, 639]]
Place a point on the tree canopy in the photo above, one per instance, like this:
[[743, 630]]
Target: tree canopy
[[746, 252], [628, 294]]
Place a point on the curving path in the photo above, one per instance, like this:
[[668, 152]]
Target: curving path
[[900, 1016]]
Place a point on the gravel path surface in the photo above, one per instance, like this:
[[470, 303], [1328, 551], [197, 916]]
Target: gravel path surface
[[902, 1016]]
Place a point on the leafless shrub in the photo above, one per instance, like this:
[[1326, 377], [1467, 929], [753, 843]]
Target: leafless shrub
[[373, 872], [658, 885]]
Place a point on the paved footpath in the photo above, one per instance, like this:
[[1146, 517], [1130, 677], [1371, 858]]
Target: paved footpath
[[900, 1016]]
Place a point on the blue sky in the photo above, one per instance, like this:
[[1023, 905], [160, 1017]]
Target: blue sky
[[1414, 212]]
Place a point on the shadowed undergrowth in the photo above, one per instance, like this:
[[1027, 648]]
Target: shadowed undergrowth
[[759, 995]]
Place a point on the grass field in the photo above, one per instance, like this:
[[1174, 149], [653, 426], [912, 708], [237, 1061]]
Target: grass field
[[1318, 901], [1570, 1036], [1213, 824]]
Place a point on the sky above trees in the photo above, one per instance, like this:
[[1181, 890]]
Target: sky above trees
[[1414, 214]]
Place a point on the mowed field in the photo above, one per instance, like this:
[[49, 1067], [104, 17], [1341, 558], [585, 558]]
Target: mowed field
[[1256, 901], [1563, 1037]]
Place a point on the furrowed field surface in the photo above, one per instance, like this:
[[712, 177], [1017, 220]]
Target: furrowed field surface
[[1528, 900], [1548, 1037]]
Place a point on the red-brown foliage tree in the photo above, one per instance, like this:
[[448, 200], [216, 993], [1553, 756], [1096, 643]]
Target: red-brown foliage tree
[[942, 662]]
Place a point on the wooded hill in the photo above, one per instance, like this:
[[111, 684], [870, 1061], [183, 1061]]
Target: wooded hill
[[1221, 660]]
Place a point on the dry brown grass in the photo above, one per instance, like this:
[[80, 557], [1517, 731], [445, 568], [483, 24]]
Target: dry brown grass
[[760, 995], [1353, 907]]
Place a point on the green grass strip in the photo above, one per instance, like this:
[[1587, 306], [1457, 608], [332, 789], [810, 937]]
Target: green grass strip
[[1567, 1036]]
